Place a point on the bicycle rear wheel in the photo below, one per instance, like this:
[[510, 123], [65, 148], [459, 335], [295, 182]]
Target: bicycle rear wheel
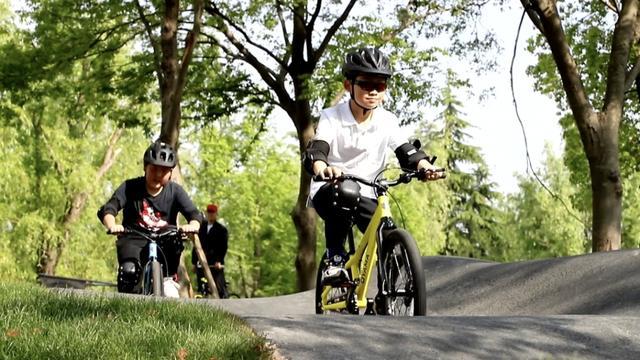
[[403, 276]]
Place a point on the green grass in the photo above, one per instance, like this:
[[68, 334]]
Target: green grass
[[36, 323]]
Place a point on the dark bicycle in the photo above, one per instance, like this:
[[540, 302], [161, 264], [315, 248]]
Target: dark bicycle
[[156, 265]]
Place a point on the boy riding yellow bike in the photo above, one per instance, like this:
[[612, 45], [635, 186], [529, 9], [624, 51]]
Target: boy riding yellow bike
[[353, 137]]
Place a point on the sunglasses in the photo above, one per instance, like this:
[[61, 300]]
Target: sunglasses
[[369, 86]]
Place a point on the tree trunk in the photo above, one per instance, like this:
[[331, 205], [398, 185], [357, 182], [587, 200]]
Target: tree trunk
[[598, 130], [607, 208], [184, 280], [51, 253], [304, 220], [170, 103], [606, 187], [49, 256], [172, 77]]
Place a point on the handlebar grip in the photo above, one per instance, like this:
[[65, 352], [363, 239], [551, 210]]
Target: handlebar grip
[[422, 174], [125, 231]]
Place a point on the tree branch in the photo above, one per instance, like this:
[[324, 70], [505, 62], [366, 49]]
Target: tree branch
[[547, 13], [110, 155], [311, 25], [635, 70], [405, 23], [632, 75], [611, 5], [265, 73], [283, 25], [314, 56], [153, 41], [533, 15], [190, 43], [286, 56], [213, 10], [225, 49], [620, 48]]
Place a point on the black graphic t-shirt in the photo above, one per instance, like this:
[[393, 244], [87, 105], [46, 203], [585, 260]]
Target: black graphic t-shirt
[[139, 209]]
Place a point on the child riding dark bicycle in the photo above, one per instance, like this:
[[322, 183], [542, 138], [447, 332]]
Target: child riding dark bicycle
[[149, 203], [353, 137]]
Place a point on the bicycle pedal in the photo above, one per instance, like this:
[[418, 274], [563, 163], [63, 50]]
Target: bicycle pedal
[[341, 283], [349, 284], [370, 307]]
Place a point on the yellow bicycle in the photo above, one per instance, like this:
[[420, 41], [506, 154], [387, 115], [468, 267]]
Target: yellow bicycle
[[401, 283]]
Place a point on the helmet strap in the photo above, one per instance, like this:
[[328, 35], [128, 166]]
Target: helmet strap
[[365, 109]]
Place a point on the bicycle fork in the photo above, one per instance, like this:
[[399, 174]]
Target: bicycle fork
[[149, 278], [378, 305]]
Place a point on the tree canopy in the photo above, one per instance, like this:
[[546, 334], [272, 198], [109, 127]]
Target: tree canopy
[[84, 90]]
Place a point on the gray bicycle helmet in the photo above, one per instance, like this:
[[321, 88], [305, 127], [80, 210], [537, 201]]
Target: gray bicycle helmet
[[161, 154], [368, 60], [337, 199]]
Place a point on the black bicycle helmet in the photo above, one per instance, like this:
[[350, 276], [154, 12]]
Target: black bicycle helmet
[[161, 154], [337, 199], [368, 60]]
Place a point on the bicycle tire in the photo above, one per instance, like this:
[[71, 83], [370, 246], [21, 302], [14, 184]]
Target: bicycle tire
[[156, 279], [404, 275], [321, 267]]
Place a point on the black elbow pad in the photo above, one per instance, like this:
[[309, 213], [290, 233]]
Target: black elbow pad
[[317, 150], [409, 156]]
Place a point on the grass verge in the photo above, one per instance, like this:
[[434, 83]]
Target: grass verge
[[36, 323]]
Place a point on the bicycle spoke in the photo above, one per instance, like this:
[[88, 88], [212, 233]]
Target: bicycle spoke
[[401, 294]]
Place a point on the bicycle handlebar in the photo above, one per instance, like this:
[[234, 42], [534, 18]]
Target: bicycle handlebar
[[403, 178], [168, 231]]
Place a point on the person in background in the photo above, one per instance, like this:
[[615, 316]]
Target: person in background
[[214, 239]]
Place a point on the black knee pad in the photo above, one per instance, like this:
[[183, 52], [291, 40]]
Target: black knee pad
[[128, 276]]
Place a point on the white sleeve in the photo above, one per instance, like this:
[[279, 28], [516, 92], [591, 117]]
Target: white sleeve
[[397, 135], [324, 131]]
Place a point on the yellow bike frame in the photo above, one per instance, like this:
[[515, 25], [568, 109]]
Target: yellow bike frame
[[363, 261]]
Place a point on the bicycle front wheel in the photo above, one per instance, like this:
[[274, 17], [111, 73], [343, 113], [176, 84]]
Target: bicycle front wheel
[[321, 267], [403, 276], [156, 272]]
